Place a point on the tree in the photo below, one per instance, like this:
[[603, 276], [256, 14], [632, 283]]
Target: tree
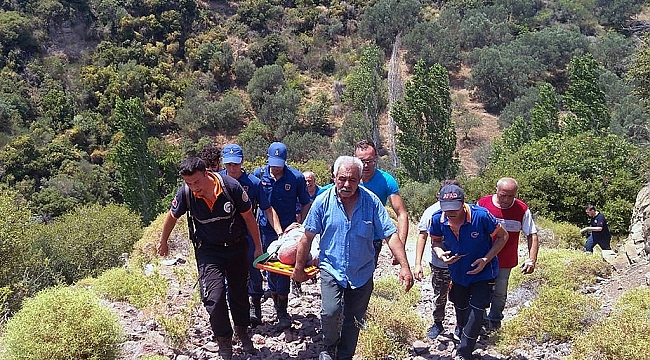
[[383, 20], [427, 139], [544, 117], [435, 42], [584, 98], [366, 90], [137, 172]]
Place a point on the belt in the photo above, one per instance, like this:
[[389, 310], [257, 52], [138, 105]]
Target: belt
[[231, 243]]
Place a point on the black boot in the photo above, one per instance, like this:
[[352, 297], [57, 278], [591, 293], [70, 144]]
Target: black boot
[[245, 338], [280, 303], [256, 312], [225, 347]]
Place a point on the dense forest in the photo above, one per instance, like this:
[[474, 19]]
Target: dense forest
[[101, 99]]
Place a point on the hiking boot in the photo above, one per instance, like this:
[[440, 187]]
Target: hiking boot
[[245, 338], [329, 353], [458, 333], [280, 303], [435, 330], [225, 347], [255, 312]]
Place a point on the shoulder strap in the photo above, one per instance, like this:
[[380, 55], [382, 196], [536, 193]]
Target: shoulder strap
[[224, 189], [190, 222]]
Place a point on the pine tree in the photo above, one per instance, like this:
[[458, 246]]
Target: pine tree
[[135, 164], [426, 140]]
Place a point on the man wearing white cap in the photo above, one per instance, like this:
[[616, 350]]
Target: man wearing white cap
[[283, 186], [461, 236], [233, 157]]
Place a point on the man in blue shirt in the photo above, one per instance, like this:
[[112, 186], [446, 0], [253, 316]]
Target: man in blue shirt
[[600, 234], [461, 236], [233, 157], [347, 216], [385, 187], [283, 186]]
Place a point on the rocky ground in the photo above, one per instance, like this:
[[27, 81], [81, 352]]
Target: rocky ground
[[146, 336]]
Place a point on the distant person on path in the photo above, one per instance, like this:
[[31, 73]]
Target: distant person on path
[[385, 187], [222, 217], [312, 188], [233, 157], [514, 216], [462, 235], [600, 234], [283, 186], [440, 279], [346, 256]]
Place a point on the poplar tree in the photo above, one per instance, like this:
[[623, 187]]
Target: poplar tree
[[585, 99], [134, 163], [426, 140]]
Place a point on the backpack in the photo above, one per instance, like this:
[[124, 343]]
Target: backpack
[[187, 194]]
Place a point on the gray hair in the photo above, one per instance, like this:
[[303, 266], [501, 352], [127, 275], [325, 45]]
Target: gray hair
[[505, 180], [347, 160]]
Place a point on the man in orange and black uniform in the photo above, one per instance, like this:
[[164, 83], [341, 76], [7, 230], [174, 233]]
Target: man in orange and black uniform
[[222, 217]]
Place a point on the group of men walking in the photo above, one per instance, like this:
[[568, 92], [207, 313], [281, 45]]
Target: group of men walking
[[474, 247]]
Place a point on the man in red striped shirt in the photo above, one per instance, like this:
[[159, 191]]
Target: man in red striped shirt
[[515, 216]]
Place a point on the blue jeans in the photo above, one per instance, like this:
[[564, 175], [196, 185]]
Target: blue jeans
[[499, 296], [255, 280], [352, 305], [470, 303], [589, 245]]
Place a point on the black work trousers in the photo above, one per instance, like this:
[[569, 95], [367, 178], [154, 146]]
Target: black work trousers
[[227, 268]]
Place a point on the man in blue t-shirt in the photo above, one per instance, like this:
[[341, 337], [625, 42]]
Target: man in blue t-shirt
[[461, 236], [233, 157], [347, 216], [283, 186], [385, 187]]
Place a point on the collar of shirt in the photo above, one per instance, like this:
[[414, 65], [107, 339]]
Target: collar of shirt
[[217, 190]]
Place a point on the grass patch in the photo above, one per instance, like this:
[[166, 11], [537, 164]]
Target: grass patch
[[565, 268], [393, 322], [557, 315], [128, 284], [559, 234], [625, 334]]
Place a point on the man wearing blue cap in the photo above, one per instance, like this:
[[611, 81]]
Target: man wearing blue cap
[[233, 157], [283, 186], [461, 236]]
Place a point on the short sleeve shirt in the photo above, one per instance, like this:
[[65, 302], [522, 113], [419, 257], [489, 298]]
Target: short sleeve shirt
[[514, 219], [252, 186], [383, 185], [424, 225], [346, 245], [603, 235], [217, 223], [474, 241], [282, 193]]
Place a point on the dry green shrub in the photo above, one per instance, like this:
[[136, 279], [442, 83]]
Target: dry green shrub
[[559, 234], [177, 326], [393, 322], [62, 323], [557, 315], [145, 249], [129, 284], [625, 334], [570, 269]]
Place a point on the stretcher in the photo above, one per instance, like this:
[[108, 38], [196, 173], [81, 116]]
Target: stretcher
[[264, 262]]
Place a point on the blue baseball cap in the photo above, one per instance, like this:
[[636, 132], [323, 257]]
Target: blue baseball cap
[[232, 154], [277, 154], [451, 197]]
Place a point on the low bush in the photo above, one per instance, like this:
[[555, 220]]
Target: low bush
[[62, 323], [559, 234], [129, 284], [625, 334], [557, 315], [393, 322]]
